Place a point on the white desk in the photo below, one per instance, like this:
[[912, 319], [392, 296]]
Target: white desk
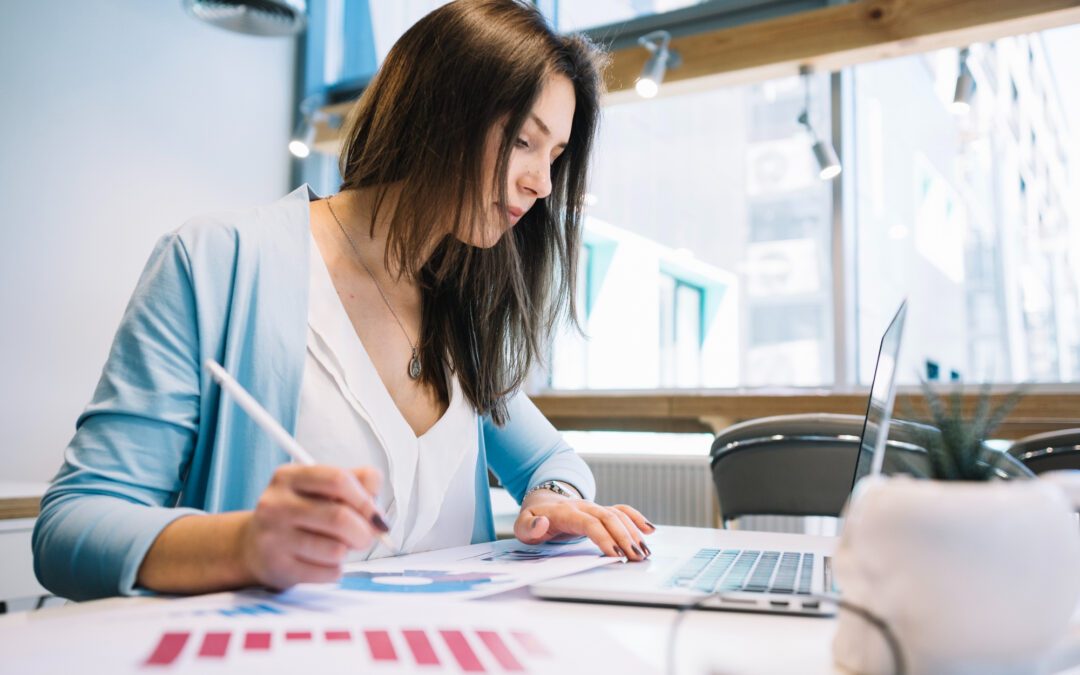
[[708, 641], [711, 641]]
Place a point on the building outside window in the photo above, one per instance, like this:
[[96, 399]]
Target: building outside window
[[720, 184], [969, 215]]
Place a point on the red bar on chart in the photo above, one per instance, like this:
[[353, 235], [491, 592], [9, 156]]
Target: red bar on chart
[[530, 643], [382, 649], [500, 651], [421, 647], [168, 648], [338, 636], [257, 641], [461, 650], [298, 635], [214, 645]]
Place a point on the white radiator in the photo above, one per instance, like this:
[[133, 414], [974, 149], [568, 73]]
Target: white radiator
[[825, 526], [678, 490], [668, 489]]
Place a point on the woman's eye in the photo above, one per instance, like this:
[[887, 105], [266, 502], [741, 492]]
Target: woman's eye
[[521, 143]]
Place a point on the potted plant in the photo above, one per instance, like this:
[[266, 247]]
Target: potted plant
[[960, 572]]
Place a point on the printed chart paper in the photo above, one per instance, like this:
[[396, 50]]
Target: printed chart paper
[[458, 637], [465, 572]]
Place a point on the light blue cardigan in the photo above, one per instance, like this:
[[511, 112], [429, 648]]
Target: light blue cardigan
[[157, 441]]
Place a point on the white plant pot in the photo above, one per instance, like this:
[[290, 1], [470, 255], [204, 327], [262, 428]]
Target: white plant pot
[[971, 577]]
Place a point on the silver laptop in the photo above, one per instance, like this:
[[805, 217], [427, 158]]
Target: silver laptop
[[743, 570]]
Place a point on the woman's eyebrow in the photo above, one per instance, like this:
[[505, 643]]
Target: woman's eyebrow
[[544, 128]]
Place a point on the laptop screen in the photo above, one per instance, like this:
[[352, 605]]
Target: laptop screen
[[882, 395]]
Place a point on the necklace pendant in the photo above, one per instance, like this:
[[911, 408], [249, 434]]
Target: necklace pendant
[[414, 366]]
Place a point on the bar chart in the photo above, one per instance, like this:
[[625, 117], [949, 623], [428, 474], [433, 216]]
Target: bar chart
[[473, 650], [253, 632]]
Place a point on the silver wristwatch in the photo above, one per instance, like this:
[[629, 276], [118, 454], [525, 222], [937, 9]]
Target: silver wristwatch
[[558, 487]]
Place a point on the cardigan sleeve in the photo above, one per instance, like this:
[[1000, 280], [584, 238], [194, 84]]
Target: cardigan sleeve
[[528, 450], [124, 467]]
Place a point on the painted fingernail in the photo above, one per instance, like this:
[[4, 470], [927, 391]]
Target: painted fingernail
[[379, 523], [650, 524], [619, 552], [637, 550], [535, 522], [645, 547]]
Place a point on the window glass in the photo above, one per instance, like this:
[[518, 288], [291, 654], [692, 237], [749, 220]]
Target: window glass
[[689, 306], [571, 15], [391, 18], [638, 443], [968, 212], [709, 234], [347, 40]]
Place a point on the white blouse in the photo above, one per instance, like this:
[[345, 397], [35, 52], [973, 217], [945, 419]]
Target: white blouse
[[348, 419]]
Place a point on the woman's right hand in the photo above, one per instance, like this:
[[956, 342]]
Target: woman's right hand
[[306, 522]]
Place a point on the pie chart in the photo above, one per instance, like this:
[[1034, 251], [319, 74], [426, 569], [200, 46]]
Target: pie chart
[[415, 581]]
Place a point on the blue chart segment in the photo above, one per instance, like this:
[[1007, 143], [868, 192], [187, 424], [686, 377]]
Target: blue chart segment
[[256, 609], [415, 581]]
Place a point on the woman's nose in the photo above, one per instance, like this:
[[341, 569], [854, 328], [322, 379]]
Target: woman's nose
[[537, 180]]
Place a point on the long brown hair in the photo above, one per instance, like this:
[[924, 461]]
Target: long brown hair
[[464, 69]]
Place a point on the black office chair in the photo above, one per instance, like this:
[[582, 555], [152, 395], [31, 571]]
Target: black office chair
[[803, 465], [1050, 451]]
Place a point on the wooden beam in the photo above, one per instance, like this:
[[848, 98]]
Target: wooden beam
[[836, 37], [1036, 412], [19, 507]]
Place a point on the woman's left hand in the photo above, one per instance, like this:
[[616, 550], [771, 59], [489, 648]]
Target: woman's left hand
[[617, 530]]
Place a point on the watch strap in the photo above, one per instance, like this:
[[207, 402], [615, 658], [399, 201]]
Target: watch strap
[[558, 487]]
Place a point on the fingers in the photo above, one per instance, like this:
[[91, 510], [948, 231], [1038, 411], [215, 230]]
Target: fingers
[[599, 535], [334, 484], [613, 529], [370, 478], [530, 528], [317, 549], [280, 555], [603, 527], [633, 530], [302, 569], [311, 573], [626, 538], [333, 520], [639, 520]]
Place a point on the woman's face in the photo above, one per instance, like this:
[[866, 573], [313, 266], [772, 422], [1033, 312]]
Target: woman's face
[[542, 139]]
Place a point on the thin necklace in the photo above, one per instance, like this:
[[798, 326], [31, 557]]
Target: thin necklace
[[414, 362]]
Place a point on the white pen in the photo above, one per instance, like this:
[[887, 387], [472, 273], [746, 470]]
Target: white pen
[[265, 420]]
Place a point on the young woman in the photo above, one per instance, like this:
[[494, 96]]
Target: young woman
[[389, 327]]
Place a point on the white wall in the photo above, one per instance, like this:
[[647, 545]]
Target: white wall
[[119, 120]]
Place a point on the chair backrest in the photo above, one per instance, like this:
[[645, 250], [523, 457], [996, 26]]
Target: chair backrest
[[803, 465], [1050, 451]]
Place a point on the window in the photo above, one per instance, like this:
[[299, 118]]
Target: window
[[681, 307], [572, 15], [708, 235], [708, 218], [965, 217], [345, 43]]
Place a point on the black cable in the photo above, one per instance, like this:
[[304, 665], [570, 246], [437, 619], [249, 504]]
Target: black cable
[[899, 666]]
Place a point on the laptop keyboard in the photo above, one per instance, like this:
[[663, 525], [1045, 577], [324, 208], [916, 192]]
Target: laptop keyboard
[[713, 569]]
